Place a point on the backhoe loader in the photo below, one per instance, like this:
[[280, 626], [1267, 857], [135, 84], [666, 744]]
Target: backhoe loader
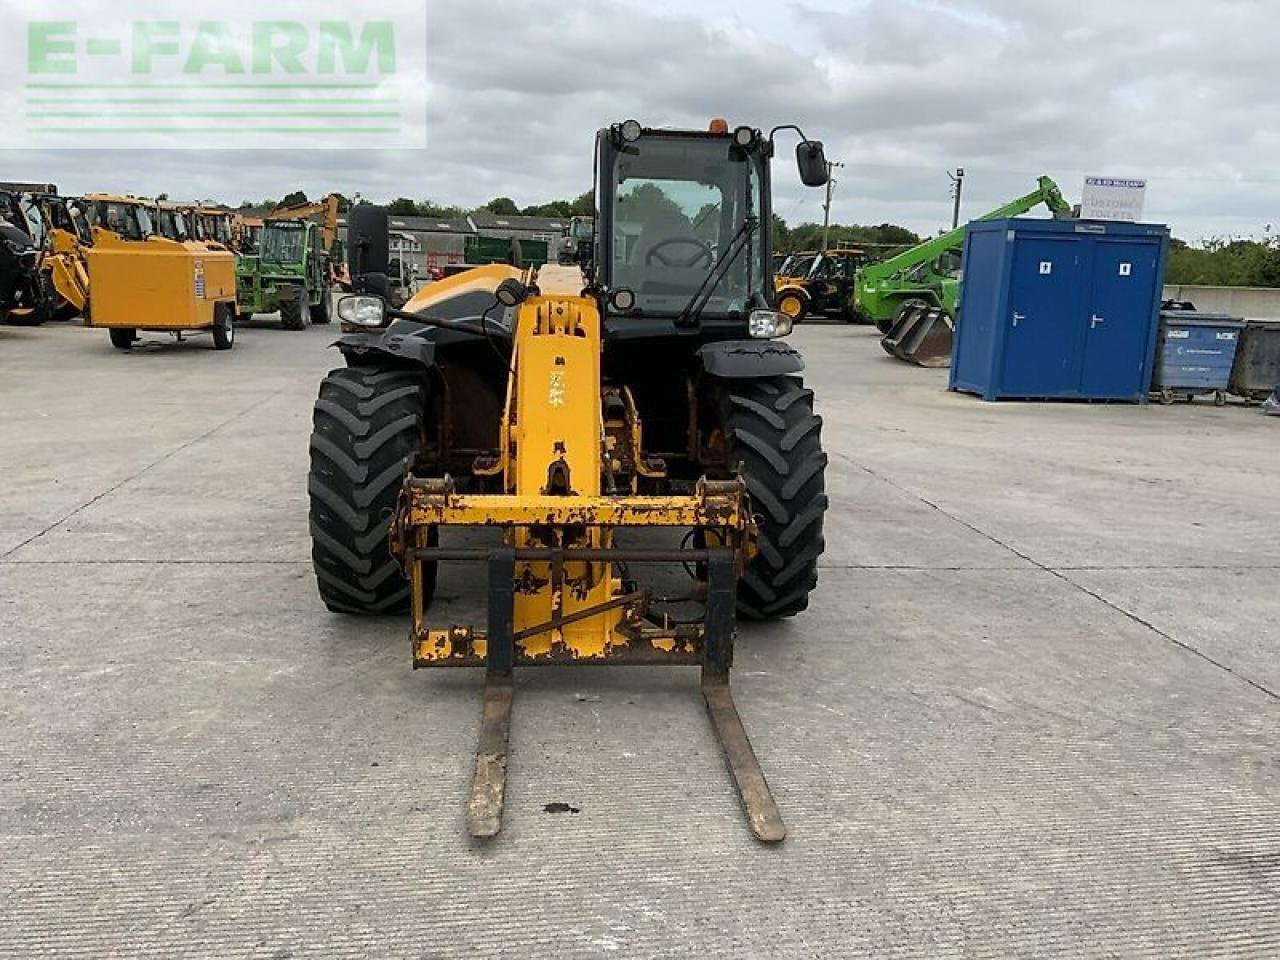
[[912, 297], [59, 230], [577, 411], [26, 296], [64, 260], [290, 269], [144, 280]]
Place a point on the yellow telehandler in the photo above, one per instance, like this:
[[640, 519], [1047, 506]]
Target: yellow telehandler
[[144, 280], [581, 411]]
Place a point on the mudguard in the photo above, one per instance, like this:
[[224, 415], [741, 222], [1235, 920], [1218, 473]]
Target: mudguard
[[744, 359], [402, 342]]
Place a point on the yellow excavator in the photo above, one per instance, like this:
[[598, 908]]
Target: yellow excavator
[[582, 411]]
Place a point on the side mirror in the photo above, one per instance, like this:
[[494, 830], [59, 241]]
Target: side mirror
[[812, 162], [367, 240]]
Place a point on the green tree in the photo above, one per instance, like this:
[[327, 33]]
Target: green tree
[[583, 205], [648, 203], [503, 206], [1226, 262], [555, 208], [292, 199], [427, 208], [402, 207]]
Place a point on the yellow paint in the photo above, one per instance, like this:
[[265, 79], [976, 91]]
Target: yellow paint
[[482, 509], [156, 284], [553, 438], [484, 278]]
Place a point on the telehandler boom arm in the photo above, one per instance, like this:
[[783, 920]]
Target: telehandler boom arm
[[1046, 192], [303, 211]]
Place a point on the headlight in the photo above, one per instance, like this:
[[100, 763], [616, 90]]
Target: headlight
[[768, 324], [362, 311]]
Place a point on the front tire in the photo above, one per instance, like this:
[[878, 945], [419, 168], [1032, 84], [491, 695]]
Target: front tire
[[367, 422], [122, 338], [772, 431], [320, 312], [295, 314]]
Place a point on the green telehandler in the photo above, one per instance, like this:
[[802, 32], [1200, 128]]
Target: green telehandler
[[912, 297], [291, 269]]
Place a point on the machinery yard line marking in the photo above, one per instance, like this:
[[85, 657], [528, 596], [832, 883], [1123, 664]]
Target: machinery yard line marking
[[1058, 574], [134, 476]]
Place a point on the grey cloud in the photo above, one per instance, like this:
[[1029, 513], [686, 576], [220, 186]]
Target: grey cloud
[[1185, 94]]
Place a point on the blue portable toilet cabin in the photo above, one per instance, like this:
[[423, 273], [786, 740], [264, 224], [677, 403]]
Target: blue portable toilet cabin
[[1059, 309]]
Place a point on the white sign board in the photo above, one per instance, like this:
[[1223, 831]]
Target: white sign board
[[1112, 198]]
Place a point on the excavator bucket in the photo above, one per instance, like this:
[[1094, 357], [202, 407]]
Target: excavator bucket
[[922, 335]]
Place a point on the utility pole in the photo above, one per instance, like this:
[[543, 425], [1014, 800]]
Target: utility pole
[[826, 206], [957, 188]]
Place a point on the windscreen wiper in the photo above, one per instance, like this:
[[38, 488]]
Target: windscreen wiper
[[691, 315]]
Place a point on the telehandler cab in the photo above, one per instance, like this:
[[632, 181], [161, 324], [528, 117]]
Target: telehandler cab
[[573, 410]]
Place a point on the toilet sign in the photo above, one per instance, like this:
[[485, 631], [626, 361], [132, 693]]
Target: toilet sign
[[1112, 198]]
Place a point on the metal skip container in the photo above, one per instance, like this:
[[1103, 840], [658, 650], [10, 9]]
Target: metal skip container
[[1194, 354], [1256, 370]]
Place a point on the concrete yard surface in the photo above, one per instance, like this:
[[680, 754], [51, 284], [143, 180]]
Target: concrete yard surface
[[1033, 710]]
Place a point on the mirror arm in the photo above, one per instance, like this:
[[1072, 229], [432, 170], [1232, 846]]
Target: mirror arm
[[786, 126]]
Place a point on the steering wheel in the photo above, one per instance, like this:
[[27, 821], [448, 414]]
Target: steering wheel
[[703, 254]]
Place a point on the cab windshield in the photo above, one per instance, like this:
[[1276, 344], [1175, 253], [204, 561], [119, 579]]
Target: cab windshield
[[35, 220], [130, 220], [173, 225], [282, 242], [70, 217], [800, 266], [681, 209]]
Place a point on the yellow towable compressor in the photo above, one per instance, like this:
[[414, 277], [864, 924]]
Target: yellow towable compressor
[[573, 411], [142, 279]]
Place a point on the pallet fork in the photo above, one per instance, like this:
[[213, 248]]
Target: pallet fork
[[554, 593], [499, 651]]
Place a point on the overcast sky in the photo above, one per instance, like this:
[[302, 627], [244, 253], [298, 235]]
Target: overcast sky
[[1186, 94]]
